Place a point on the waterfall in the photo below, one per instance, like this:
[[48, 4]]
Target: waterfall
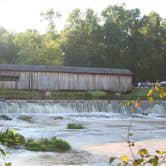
[[75, 106]]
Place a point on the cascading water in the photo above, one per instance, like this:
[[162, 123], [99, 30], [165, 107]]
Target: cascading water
[[77, 106]]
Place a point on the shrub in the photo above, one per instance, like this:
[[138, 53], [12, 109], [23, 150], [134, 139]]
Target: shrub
[[50, 145], [75, 126], [10, 138]]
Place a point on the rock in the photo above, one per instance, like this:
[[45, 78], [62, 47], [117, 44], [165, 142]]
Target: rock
[[58, 117], [47, 94], [117, 94], [5, 117], [25, 118], [145, 113]]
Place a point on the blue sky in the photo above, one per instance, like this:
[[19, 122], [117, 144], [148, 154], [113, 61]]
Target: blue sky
[[19, 15]]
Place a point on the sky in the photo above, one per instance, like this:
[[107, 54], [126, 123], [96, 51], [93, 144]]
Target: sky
[[19, 15]]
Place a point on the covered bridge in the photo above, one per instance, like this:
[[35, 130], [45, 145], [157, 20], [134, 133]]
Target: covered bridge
[[42, 77]]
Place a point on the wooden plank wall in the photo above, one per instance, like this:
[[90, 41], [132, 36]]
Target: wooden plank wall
[[11, 84], [70, 81], [8, 84]]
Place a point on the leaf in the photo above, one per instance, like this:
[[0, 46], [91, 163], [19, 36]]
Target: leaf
[[119, 164], [129, 103], [154, 160], [150, 99], [3, 153], [137, 103], [112, 159], [150, 93], [142, 152], [13, 131], [156, 87], [124, 159], [160, 152], [161, 94], [8, 164], [137, 162]]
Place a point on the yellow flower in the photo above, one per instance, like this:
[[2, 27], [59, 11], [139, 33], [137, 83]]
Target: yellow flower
[[150, 93], [129, 103], [161, 93], [137, 103]]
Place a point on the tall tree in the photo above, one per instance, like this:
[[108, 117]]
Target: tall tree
[[50, 16], [81, 39], [8, 52]]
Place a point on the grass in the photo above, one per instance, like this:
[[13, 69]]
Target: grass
[[136, 93], [19, 94], [55, 95], [140, 93], [49, 145], [75, 126], [25, 118], [72, 95], [14, 94]]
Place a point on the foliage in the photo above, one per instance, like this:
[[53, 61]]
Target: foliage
[[79, 95], [118, 38], [96, 94], [11, 139], [143, 157], [115, 37], [75, 126], [51, 145], [21, 94]]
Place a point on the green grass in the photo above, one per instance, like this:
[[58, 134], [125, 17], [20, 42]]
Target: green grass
[[75, 126], [140, 93], [55, 95], [136, 93], [73, 95], [19, 94], [49, 145]]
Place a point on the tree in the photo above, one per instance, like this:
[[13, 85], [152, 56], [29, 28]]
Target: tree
[[36, 49], [50, 16], [81, 39], [8, 52]]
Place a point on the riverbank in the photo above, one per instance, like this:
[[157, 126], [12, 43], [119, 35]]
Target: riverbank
[[15, 94]]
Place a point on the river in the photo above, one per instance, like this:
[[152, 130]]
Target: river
[[104, 121]]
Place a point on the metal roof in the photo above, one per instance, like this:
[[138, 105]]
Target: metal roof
[[65, 69]]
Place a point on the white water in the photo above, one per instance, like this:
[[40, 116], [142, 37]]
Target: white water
[[77, 106], [104, 121]]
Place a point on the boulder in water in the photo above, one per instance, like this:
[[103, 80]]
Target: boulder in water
[[25, 118], [5, 117], [145, 113], [58, 117]]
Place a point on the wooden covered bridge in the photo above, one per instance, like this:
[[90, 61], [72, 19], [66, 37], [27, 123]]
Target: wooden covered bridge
[[51, 78]]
